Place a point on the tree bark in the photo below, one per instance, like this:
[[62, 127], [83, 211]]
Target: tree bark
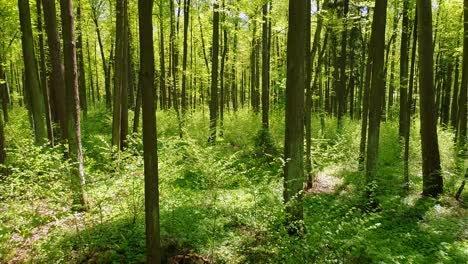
[[31, 73], [377, 88], [81, 63], [43, 77], [153, 244], [265, 69], [404, 70], [73, 103], [462, 100], [294, 135], [432, 178], [184, 59], [214, 75]]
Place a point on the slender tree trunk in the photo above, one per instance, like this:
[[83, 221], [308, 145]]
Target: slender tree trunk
[[454, 105], [462, 101], [404, 70], [447, 88], [409, 105], [184, 59], [341, 96], [31, 73], [107, 80], [3, 153], [43, 77], [57, 68], [214, 75], [265, 69], [81, 62], [377, 88], [120, 114], [73, 103], [203, 44], [432, 178], [90, 74], [365, 102], [162, 75], [153, 244], [222, 94], [307, 84], [294, 135], [136, 119]]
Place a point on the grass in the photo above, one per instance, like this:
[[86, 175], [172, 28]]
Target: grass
[[224, 202]]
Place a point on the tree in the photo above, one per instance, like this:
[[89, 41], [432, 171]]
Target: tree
[[31, 73], [462, 101], [432, 178], [81, 62], [377, 87], [153, 245], [43, 78], [265, 69], [294, 135], [120, 108], [404, 69], [184, 60], [95, 15], [57, 76], [72, 99], [214, 75]]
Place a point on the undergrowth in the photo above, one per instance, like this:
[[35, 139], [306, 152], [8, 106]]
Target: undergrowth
[[224, 202]]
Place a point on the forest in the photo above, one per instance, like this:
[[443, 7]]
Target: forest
[[233, 131]]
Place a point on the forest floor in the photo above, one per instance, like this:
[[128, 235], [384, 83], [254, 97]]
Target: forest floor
[[223, 203]]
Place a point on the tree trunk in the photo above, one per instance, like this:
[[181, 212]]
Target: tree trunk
[[294, 135], [162, 75], [90, 74], [214, 75], [43, 77], [120, 114], [432, 178], [265, 69], [81, 62], [153, 244], [31, 73], [184, 59], [57, 68], [377, 88], [462, 100], [404, 70], [454, 106], [73, 103], [409, 105], [103, 57], [341, 91]]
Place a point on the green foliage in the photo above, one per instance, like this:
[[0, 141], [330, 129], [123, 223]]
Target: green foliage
[[224, 202]]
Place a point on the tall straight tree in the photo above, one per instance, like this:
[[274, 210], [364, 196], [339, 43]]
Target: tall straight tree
[[43, 77], [377, 87], [432, 178], [153, 244], [462, 101], [95, 15], [31, 73], [120, 110], [294, 136], [81, 62], [184, 59], [265, 68], [214, 74], [57, 76], [404, 68], [162, 75], [72, 99]]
